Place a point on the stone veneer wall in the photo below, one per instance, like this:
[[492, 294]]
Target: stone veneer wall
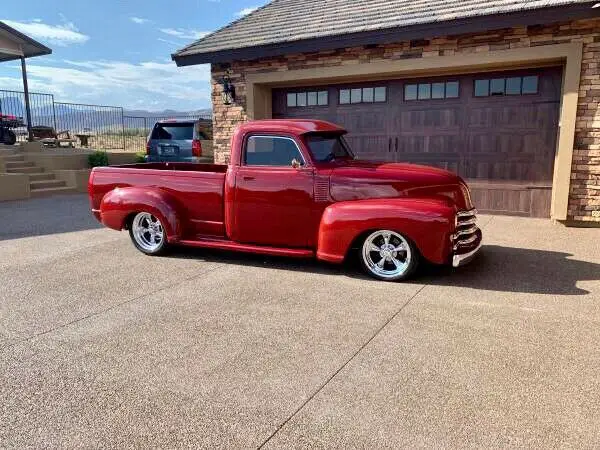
[[585, 178]]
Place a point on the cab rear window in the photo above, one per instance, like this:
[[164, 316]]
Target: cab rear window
[[173, 131]]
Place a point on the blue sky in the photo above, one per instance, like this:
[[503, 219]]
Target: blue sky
[[117, 52]]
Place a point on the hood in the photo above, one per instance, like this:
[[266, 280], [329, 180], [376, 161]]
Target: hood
[[360, 180]]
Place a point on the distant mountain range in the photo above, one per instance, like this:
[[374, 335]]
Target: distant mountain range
[[79, 117]]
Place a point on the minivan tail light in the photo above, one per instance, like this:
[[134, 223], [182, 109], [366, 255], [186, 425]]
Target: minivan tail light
[[196, 148], [147, 147]]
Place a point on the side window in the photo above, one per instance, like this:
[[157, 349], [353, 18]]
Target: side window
[[271, 151]]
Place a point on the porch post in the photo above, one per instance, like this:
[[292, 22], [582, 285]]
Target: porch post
[[27, 105]]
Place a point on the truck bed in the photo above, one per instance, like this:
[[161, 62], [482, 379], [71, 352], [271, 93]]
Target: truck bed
[[196, 188]]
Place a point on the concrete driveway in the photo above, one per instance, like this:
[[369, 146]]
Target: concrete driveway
[[101, 346]]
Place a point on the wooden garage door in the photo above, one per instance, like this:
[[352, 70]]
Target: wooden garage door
[[497, 130]]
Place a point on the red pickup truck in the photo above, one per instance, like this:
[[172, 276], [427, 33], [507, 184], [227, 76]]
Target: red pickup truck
[[294, 188]]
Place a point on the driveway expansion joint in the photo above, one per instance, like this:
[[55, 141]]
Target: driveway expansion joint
[[348, 361]]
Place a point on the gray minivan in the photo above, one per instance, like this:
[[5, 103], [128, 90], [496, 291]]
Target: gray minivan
[[175, 140]]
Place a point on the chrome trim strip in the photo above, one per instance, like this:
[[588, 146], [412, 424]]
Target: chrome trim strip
[[459, 260], [472, 221], [472, 212], [466, 232], [466, 242]]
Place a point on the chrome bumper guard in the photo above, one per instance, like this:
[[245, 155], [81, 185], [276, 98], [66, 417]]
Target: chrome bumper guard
[[467, 233]]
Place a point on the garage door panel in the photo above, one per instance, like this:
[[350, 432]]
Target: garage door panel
[[505, 144]]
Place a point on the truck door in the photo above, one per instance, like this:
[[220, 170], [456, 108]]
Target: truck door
[[274, 193]]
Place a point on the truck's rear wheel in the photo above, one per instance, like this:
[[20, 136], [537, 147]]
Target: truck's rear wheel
[[389, 256], [148, 234]]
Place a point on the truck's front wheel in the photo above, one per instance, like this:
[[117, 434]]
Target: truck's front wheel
[[389, 256], [148, 234]]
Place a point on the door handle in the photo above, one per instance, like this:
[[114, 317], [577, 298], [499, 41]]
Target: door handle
[[248, 178]]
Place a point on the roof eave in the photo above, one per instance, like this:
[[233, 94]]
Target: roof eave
[[387, 36], [38, 49]]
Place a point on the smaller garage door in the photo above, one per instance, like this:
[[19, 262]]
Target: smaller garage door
[[497, 130]]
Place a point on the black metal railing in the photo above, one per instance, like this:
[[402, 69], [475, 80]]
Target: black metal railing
[[94, 126]]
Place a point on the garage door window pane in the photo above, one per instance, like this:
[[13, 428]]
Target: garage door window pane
[[356, 96], [513, 86], [344, 96], [437, 90], [291, 99], [410, 92], [424, 91], [380, 94], [482, 88], [368, 95], [497, 86], [301, 98], [452, 89], [323, 98], [312, 98], [530, 85]]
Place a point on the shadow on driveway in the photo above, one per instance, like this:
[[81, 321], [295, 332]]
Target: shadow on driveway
[[502, 269], [43, 216]]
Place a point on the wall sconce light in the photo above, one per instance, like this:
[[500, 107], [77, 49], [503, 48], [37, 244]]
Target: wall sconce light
[[228, 89]]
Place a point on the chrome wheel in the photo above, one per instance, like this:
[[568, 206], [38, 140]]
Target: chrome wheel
[[147, 232], [387, 255]]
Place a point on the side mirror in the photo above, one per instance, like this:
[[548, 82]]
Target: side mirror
[[296, 164]]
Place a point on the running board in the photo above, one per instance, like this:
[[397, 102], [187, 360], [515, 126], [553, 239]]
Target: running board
[[222, 244]]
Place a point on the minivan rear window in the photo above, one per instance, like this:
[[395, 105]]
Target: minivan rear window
[[173, 131]]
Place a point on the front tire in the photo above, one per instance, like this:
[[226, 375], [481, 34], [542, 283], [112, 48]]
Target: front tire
[[389, 256], [147, 234], [10, 138]]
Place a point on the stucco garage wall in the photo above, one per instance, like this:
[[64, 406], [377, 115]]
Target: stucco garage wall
[[584, 190]]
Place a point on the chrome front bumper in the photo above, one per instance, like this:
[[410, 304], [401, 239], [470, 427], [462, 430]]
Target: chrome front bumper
[[465, 258], [467, 234]]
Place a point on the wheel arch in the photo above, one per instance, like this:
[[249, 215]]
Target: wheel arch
[[427, 223], [120, 205]]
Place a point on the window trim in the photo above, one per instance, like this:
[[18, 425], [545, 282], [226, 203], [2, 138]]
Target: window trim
[[362, 88], [506, 78], [272, 136], [431, 83], [315, 91]]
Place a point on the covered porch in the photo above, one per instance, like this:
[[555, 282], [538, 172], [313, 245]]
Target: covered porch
[[14, 45]]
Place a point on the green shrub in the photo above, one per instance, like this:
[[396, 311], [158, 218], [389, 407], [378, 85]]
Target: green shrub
[[98, 159], [140, 157]]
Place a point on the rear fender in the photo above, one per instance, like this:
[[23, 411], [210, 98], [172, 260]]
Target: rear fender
[[118, 204], [428, 222]]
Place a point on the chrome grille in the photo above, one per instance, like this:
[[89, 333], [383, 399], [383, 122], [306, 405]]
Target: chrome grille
[[466, 229]]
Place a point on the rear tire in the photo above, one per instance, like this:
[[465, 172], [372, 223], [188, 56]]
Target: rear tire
[[388, 256], [10, 138], [147, 234]]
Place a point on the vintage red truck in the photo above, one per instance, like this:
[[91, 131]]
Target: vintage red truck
[[294, 188]]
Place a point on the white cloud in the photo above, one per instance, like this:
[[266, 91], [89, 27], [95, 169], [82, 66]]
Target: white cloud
[[55, 34], [184, 33], [159, 84], [168, 41], [246, 11], [139, 20]]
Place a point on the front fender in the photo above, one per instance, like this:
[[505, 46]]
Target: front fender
[[120, 203], [427, 222]]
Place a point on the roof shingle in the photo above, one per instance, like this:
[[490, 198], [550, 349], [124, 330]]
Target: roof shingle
[[284, 21]]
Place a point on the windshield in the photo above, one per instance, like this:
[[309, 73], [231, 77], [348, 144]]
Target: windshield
[[327, 148], [174, 131]]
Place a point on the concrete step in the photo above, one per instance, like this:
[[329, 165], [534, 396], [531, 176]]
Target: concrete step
[[13, 158], [41, 176], [28, 169], [46, 192], [8, 151], [45, 184], [15, 164]]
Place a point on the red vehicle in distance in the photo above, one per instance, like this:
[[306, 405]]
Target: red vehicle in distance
[[293, 188]]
